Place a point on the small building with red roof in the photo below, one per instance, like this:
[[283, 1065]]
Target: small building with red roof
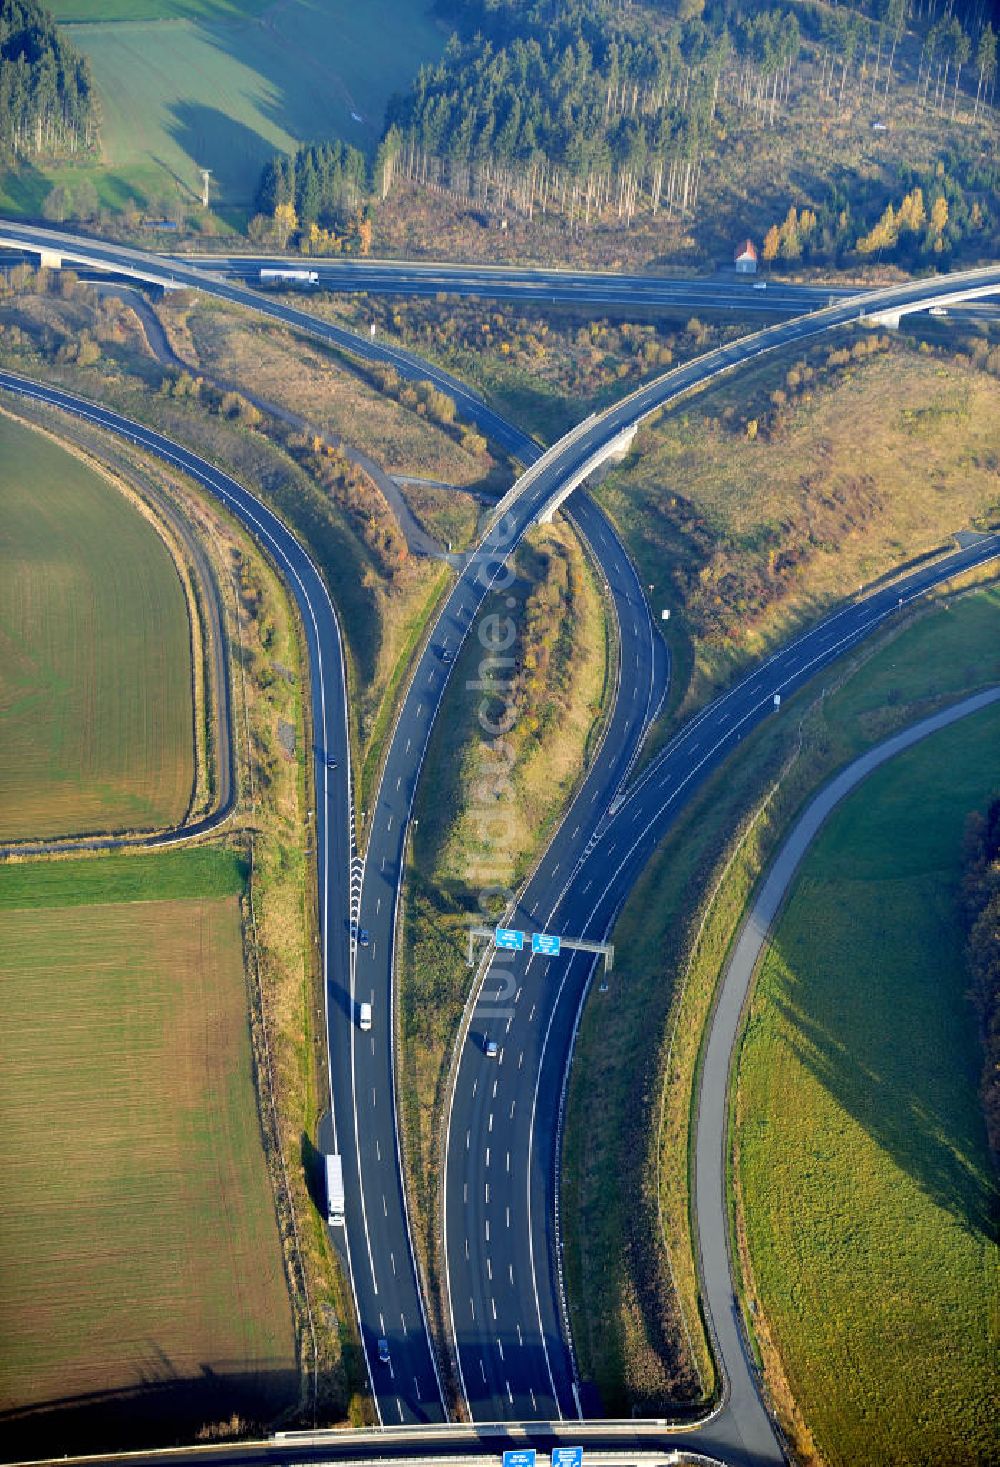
[[746, 258]]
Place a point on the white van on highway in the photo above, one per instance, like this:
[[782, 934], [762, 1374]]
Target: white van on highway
[[365, 1020]]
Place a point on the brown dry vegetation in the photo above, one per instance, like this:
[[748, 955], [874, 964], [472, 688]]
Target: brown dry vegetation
[[382, 614], [751, 537], [286, 992], [544, 367], [302, 377]]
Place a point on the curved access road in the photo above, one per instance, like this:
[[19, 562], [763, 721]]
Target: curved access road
[[409, 1388], [501, 1187], [174, 275], [711, 1117]]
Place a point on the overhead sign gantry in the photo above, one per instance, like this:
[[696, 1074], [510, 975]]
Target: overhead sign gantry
[[543, 944]]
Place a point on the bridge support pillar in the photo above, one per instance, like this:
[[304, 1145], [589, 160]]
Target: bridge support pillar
[[884, 318], [49, 260]]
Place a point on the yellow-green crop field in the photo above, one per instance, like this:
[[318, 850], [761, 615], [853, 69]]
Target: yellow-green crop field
[[870, 1200], [142, 1291], [96, 720]]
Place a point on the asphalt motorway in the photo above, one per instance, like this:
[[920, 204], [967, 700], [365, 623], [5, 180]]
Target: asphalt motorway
[[136, 264], [504, 1279], [407, 1387], [744, 293], [377, 1246], [413, 1386]]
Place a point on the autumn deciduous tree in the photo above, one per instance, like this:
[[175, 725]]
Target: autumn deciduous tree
[[285, 223]]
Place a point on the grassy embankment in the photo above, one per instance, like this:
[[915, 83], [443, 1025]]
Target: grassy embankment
[[96, 688], [190, 84], [484, 809], [383, 595], [868, 1195], [143, 1285], [755, 507], [632, 1340]]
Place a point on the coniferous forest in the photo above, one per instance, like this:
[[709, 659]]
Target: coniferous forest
[[594, 111], [46, 94]]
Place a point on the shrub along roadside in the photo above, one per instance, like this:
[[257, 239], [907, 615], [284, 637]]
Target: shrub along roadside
[[271, 711], [267, 851], [629, 1263]]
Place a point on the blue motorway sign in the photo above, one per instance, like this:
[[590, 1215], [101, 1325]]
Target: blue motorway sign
[[545, 942], [510, 938], [567, 1457], [523, 1458]]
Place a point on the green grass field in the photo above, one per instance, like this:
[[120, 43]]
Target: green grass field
[[630, 1339], [184, 86], [870, 1200], [95, 660], [141, 1279]]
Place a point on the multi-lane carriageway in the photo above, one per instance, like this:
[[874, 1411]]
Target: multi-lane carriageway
[[381, 1262]]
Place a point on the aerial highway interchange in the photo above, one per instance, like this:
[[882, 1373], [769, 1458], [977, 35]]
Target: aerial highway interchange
[[508, 1322]]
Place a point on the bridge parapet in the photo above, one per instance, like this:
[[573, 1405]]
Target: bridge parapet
[[611, 452]]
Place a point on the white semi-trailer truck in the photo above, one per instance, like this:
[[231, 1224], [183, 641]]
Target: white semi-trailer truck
[[289, 277], [334, 1192]]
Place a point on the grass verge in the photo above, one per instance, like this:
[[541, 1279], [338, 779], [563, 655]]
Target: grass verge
[[752, 508]]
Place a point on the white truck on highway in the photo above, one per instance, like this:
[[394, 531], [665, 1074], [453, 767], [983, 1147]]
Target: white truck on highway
[[334, 1192], [289, 277]]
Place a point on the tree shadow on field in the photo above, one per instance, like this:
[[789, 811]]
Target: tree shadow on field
[[164, 1407], [235, 153], [894, 1089]]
